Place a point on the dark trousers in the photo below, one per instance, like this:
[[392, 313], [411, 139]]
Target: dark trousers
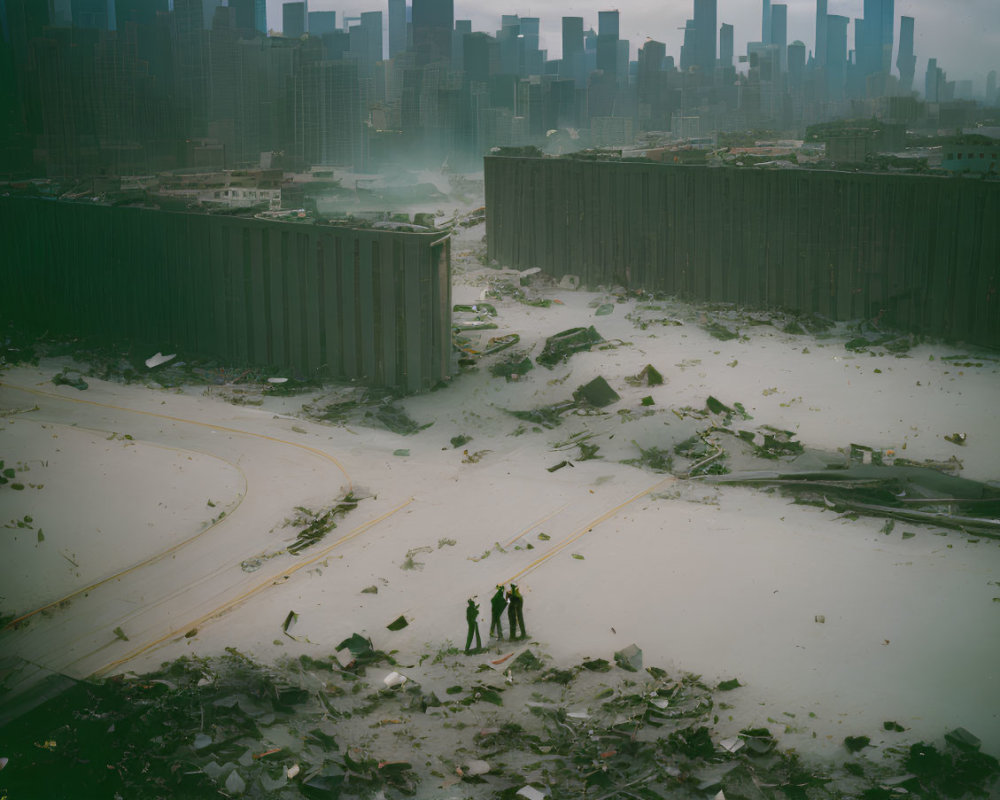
[[496, 624], [473, 631]]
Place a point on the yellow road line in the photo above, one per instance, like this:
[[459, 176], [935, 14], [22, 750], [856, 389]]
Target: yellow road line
[[229, 605], [535, 525], [586, 529], [14, 623], [211, 425], [152, 559]]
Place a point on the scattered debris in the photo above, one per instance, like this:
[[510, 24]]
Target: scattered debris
[[719, 331], [318, 524], [306, 728], [546, 416], [649, 376], [393, 679], [629, 658], [512, 367], [652, 458], [560, 347], [397, 624], [597, 393], [157, 360], [957, 438], [73, 379]]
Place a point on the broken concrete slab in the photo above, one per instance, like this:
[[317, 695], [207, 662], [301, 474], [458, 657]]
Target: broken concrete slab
[[963, 740], [629, 658], [562, 345], [598, 393]]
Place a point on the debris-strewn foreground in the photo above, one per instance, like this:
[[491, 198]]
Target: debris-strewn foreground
[[510, 725]]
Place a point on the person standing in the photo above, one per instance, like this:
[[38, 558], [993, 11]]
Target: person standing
[[497, 605], [471, 616], [515, 612]]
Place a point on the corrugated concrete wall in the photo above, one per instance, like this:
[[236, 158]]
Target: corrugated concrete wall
[[334, 302], [922, 252]]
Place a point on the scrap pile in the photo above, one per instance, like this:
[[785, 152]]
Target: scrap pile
[[317, 728]]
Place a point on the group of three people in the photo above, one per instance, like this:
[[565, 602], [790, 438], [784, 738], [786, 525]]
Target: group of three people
[[512, 601]]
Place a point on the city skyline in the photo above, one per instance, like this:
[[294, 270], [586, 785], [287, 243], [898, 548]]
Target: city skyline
[[965, 42]]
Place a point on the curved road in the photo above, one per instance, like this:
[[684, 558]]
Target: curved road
[[173, 591]]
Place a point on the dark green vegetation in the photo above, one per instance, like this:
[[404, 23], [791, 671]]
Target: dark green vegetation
[[919, 254], [318, 728]]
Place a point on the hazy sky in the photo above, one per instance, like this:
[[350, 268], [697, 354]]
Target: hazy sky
[[964, 35]]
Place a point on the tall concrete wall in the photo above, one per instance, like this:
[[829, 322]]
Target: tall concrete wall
[[320, 300], [922, 252]]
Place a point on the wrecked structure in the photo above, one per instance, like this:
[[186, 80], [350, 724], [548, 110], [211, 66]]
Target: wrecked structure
[[917, 253], [312, 299]]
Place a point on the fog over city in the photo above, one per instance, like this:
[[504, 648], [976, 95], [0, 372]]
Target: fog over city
[[964, 36]]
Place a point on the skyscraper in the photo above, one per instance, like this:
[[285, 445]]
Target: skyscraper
[[573, 64], [836, 56], [320, 22], [765, 24], [90, 14], [397, 27], [607, 41], [293, 19], [433, 21], [726, 45], [906, 61], [820, 33], [779, 33], [931, 81], [208, 12], [796, 64], [705, 22], [874, 39], [142, 12]]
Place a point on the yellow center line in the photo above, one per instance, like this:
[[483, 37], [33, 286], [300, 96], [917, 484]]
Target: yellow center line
[[535, 525], [271, 581], [586, 529], [152, 559], [15, 622], [211, 425]]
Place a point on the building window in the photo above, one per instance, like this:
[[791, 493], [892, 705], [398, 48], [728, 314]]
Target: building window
[[959, 156]]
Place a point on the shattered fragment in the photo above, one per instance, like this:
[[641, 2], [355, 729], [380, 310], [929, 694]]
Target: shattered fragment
[[649, 376], [629, 658], [560, 347], [597, 393]]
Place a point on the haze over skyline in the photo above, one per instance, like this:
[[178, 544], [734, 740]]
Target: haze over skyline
[[964, 36]]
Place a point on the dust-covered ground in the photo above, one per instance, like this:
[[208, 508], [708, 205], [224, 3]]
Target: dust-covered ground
[[183, 509]]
